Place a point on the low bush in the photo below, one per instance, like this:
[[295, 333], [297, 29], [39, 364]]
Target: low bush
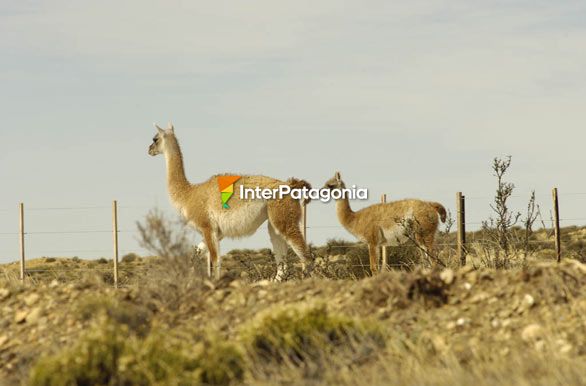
[[92, 361], [134, 317], [129, 258], [108, 354], [299, 334]]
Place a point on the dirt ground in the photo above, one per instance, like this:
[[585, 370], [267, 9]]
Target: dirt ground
[[442, 326]]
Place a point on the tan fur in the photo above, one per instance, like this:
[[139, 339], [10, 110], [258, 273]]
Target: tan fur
[[201, 205], [385, 224]]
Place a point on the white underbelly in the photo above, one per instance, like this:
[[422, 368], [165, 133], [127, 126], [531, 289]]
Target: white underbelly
[[241, 222], [394, 236]]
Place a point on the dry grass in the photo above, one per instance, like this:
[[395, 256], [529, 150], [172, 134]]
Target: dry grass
[[169, 325], [421, 327]]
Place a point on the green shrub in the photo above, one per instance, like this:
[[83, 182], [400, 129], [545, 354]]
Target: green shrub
[[358, 260], [102, 260], [157, 360], [136, 318], [299, 334], [219, 362], [339, 246], [211, 360], [265, 251], [92, 361], [129, 258], [108, 354]]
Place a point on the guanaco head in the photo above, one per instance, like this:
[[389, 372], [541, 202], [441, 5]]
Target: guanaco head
[[334, 183], [158, 145]]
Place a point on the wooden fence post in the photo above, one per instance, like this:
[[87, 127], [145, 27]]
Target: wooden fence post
[[115, 238], [461, 207], [384, 252], [21, 240], [556, 217], [304, 220]]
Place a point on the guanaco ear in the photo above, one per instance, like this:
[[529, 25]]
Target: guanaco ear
[[338, 177], [171, 128], [161, 131]]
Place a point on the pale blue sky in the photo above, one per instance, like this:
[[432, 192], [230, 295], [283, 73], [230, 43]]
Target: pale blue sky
[[409, 98]]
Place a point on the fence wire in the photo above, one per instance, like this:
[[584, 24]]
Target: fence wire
[[319, 229]]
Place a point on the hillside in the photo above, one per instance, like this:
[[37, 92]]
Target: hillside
[[505, 318], [440, 327]]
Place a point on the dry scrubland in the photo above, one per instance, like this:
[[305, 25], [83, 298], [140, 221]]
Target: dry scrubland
[[418, 325]]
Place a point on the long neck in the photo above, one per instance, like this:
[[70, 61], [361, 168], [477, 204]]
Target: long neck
[[176, 180], [344, 212]]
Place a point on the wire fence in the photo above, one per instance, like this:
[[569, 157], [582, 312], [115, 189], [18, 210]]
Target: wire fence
[[111, 248]]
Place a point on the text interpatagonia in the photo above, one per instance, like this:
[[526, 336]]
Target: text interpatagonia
[[324, 195]]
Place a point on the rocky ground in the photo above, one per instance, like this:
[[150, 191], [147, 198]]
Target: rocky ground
[[439, 327]]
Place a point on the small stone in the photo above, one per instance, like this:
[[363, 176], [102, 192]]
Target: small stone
[[451, 325], [20, 316], [447, 276], [3, 339], [564, 349], [528, 301], [439, 344], [235, 284], [532, 332], [262, 283], [34, 315], [495, 323], [31, 299], [472, 276], [54, 283], [4, 293], [462, 321], [480, 297], [209, 284], [467, 286]]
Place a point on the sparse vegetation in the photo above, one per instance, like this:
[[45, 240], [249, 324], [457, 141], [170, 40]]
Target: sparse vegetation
[[129, 258], [93, 361], [498, 228], [308, 333], [451, 327], [120, 345], [108, 354], [421, 323]]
